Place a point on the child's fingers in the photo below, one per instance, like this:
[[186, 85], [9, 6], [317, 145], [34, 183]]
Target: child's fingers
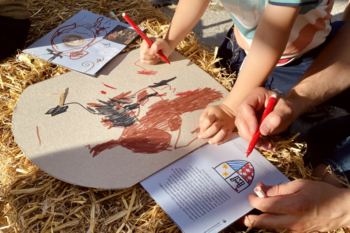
[[226, 137], [203, 116], [219, 136], [156, 46], [213, 129], [151, 61], [145, 54], [206, 123]]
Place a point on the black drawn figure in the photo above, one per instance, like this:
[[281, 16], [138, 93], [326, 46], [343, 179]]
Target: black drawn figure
[[151, 133], [54, 55], [238, 174]]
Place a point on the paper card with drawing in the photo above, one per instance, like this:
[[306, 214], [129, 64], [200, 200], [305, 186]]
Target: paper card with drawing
[[208, 190], [85, 42], [116, 130]]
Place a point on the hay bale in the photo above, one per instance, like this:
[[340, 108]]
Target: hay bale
[[33, 201]]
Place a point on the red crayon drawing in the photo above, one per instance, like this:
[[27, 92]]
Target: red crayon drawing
[[188, 92], [103, 92], [144, 71], [109, 86], [161, 119], [37, 133], [99, 59]]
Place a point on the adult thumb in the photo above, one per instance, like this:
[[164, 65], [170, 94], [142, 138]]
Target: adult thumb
[[279, 119], [270, 124]]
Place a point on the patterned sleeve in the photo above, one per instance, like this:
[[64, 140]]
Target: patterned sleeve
[[294, 2]]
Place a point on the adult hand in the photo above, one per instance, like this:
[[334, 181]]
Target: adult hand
[[301, 206], [217, 122], [276, 122], [149, 56]]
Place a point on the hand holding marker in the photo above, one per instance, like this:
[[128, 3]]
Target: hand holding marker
[[149, 42], [257, 134]]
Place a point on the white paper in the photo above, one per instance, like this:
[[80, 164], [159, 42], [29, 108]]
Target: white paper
[[208, 190], [93, 48]]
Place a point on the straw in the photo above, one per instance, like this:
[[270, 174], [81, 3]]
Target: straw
[[33, 201]]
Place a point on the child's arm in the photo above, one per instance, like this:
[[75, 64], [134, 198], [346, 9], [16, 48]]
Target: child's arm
[[188, 13], [268, 44]]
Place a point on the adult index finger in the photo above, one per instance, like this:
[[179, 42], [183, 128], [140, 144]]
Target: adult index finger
[[280, 198], [269, 221], [256, 99], [275, 205], [246, 121]]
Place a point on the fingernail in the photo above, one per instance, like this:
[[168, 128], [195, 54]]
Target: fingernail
[[264, 187], [199, 136], [258, 144], [210, 142], [151, 52], [265, 129]]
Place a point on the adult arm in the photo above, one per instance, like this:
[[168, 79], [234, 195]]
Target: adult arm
[[346, 14], [301, 206]]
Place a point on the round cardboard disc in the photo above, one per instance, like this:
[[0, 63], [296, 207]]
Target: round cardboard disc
[[74, 40]]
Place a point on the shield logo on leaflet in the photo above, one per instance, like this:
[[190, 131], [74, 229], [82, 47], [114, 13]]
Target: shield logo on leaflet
[[238, 174]]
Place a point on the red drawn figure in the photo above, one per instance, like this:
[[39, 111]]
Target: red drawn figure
[[148, 126], [99, 59], [77, 39], [37, 133], [144, 71], [109, 86]]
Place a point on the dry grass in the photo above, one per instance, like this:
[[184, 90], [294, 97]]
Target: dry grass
[[31, 200]]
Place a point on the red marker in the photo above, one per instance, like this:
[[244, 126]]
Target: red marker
[[256, 136], [149, 42]]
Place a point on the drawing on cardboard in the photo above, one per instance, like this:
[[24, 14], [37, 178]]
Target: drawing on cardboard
[[144, 71], [109, 86], [239, 174], [151, 131], [115, 130]]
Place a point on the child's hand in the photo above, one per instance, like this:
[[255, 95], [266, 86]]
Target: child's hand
[[149, 56], [217, 122]]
